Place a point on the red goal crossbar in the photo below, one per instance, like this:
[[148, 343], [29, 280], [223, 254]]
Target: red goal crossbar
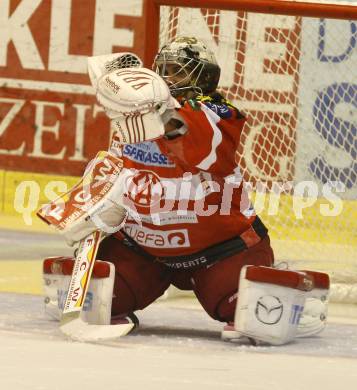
[[279, 7]]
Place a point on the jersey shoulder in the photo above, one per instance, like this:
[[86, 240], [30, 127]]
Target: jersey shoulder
[[219, 105]]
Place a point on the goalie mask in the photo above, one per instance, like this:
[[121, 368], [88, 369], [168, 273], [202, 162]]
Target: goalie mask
[[187, 64]]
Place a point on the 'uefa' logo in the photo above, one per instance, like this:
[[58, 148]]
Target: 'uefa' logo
[[269, 310]]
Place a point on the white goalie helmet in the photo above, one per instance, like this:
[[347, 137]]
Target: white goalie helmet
[[187, 64], [135, 100]]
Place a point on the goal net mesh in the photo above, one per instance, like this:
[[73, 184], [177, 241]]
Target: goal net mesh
[[294, 78]]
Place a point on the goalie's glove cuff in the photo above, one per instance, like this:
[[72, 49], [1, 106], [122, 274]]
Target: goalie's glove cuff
[[109, 221]]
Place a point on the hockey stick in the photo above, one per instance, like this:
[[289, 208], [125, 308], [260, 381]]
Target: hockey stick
[[71, 323]]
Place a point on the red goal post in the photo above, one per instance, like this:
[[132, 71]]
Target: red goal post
[[290, 67], [279, 7]]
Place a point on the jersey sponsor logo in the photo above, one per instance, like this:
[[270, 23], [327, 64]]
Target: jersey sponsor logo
[[167, 218], [145, 188], [188, 264], [221, 110], [269, 310], [147, 153], [116, 147], [157, 238]]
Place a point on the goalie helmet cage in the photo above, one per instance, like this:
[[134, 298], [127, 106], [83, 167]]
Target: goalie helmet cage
[[290, 67]]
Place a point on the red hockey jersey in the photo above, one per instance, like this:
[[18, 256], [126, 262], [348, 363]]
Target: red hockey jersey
[[188, 191]]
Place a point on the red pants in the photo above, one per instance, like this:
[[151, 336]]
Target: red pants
[[139, 281]]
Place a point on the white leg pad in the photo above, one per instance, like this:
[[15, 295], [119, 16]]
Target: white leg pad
[[98, 302], [270, 303]]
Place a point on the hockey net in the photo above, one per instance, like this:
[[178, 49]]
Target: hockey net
[[294, 77]]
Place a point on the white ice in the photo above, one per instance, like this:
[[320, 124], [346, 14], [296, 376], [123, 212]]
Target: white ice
[[176, 347]]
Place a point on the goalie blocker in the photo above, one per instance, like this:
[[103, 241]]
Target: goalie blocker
[[275, 306]]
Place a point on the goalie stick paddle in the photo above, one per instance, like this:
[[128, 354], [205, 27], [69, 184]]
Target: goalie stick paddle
[[71, 323]]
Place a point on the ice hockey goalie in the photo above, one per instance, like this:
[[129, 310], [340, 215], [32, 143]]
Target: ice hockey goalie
[[179, 214]]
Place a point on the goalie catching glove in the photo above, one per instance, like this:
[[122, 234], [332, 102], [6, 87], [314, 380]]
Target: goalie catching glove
[[136, 99], [103, 64], [138, 102]]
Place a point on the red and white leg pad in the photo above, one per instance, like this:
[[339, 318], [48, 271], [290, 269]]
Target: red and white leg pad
[[271, 302], [57, 273]]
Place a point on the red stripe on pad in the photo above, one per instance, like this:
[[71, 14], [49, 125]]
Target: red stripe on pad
[[64, 266], [293, 279], [321, 279]]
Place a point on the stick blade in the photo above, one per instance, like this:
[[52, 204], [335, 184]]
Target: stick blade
[[78, 330]]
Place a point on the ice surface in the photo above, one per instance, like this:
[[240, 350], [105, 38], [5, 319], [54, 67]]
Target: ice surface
[[20, 245], [177, 346]]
